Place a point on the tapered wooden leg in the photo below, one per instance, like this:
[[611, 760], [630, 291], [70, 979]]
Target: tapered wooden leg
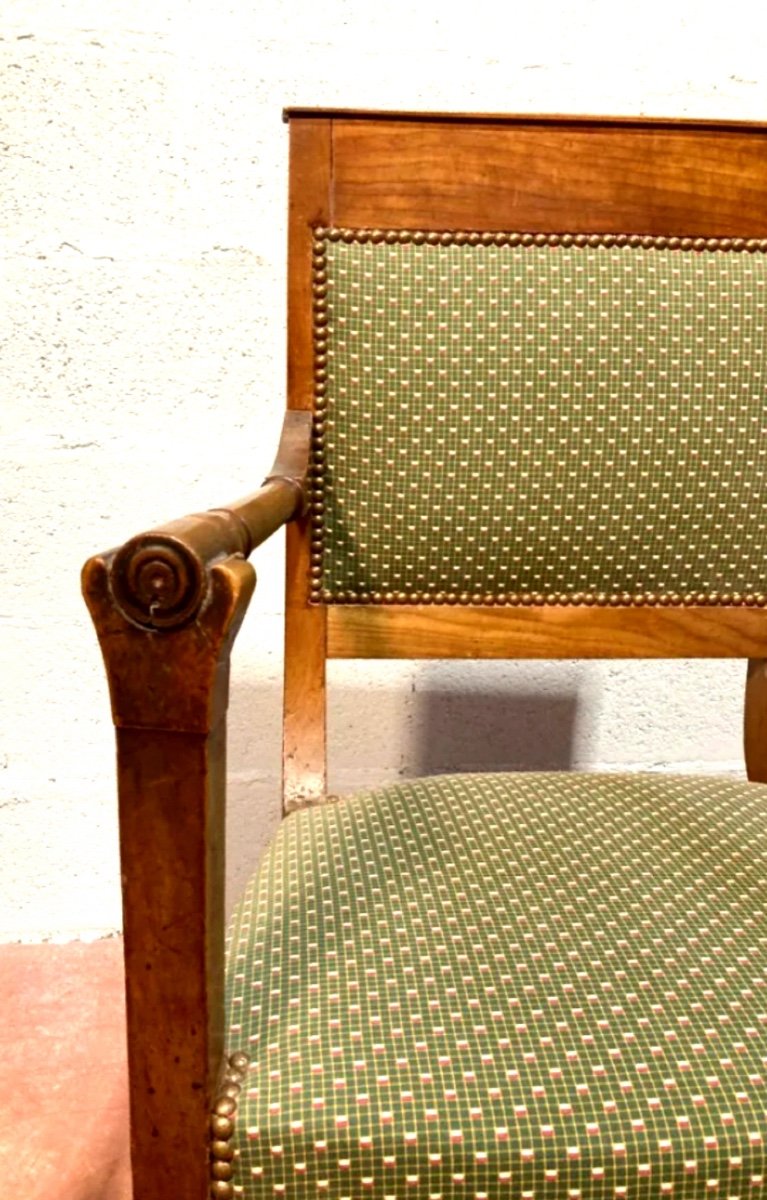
[[171, 788], [169, 694]]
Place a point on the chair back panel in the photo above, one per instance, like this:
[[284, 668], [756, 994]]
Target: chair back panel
[[544, 446], [505, 418]]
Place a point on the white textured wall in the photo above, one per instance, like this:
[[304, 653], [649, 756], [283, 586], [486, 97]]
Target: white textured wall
[[143, 199]]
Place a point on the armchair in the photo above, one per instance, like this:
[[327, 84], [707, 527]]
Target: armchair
[[527, 365]]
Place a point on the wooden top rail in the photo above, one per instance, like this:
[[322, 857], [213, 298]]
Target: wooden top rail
[[159, 579], [308, 112]]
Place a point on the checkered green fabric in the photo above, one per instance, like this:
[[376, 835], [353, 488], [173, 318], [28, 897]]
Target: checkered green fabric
[[538, 987], [543, 419]]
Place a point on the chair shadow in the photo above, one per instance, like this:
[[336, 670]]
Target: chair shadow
[[492, 730]]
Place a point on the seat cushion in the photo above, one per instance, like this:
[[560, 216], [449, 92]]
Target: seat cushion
[[529, 985]]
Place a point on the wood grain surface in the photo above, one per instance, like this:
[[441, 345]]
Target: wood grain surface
[[357, 631], [551, 177]]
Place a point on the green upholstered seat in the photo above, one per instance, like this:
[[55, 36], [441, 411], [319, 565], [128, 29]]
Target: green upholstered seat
[[536, 985]]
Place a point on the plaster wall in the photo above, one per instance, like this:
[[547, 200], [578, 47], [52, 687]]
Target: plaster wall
[[143, 230]]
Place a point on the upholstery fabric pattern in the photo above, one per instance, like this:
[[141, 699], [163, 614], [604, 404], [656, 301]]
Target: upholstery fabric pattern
[[544, 985], [547, 420]]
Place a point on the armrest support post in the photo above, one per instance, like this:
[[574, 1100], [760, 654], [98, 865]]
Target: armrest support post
[[169, 694], [167, 606]]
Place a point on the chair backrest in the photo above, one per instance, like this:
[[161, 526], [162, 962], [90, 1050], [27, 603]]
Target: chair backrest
[[536, 350]]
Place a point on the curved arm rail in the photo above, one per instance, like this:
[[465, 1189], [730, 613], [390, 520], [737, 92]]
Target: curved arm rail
[[160, 579]]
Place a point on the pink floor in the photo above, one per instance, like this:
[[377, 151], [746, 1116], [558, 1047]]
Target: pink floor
[[64, 1106]]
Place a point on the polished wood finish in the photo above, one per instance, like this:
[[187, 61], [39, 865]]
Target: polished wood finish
[[304, 720], [291, 464], [304, 733], [755, 719], [423, 631], [172, 798], [160, 579], [169, 694], [167, 606], [298, 112], [310, 204], [177, 681], [550, 177]]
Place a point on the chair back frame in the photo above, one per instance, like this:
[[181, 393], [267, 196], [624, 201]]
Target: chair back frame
[[698, 185]]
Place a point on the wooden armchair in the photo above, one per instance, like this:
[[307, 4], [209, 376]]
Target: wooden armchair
[[526, 388]]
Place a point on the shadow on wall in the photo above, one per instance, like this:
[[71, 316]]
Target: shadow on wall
[[492, 730], [400, 726]]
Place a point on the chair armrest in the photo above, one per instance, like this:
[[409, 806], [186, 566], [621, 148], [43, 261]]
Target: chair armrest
[[161, 579], [167, 606]]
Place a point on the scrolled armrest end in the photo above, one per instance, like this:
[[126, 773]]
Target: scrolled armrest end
[[158, 581]]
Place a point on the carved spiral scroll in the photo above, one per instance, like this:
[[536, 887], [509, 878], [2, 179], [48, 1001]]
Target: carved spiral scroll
[[157, 581]]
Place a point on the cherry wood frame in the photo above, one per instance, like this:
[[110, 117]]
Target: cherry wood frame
[[167, 605]]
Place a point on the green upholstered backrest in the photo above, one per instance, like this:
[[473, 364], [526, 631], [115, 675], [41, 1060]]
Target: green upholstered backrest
[[509, 417]]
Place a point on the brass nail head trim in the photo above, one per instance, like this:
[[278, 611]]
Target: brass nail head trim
[[322, 236], [222, 1125]]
